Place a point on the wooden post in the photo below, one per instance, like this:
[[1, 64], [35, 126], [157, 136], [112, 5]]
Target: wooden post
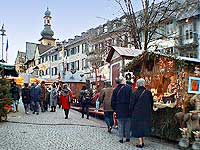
[[123, 66]]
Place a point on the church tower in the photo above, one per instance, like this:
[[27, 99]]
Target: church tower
[[47, 33]]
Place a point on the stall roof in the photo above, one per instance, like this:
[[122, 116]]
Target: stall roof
[[77, 77], [9, 70], [190, 59], [124, 52], [137, 60], [6, 66]]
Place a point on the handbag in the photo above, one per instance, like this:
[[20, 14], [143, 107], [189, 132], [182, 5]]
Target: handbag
[[113, 105], [69, 99], [138, 99], [120, 90], [141, 94], [65, 93]]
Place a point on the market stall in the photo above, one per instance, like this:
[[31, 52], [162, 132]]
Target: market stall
[[21, 80], [173, 82], [76, 80], [7, 70]]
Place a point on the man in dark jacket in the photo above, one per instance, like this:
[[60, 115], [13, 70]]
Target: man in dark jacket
[[120, 102], [85, 100], [35, 92], [26, 97], [15, 95]]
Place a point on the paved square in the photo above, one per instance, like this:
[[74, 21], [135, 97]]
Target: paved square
[[50, 131]]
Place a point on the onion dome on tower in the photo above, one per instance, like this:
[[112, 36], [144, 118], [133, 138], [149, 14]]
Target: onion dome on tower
[[48, 12], [47, 33]]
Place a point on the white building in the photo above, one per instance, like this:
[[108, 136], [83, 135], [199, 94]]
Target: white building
[[86, 54]]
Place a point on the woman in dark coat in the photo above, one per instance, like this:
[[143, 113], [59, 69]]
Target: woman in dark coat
[[53, 97], [141, 106], [120, 102]]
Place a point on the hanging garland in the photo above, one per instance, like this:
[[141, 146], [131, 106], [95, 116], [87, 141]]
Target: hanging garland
[[150, 57]]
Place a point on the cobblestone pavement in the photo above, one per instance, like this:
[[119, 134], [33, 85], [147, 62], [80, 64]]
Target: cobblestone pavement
[[50, 131]]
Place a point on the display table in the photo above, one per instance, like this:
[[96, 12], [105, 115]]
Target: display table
[[164, 125]]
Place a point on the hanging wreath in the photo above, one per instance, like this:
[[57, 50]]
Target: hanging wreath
[[128, 76]]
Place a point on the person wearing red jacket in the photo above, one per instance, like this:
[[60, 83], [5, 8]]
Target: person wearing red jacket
[[65, 99]]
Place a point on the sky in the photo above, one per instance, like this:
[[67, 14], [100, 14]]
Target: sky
[[23, 20]]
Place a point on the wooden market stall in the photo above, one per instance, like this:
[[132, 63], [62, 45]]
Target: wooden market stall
[[20, 80], [117, 58], [76, 80], [76, 88], [173, 82]]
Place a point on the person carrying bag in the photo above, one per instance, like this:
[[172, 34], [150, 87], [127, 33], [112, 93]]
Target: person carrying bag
[[65, 99]]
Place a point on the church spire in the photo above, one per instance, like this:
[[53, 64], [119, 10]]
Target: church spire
[[47, 31]]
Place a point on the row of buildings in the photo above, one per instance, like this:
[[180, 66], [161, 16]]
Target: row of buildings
[[99, 52]]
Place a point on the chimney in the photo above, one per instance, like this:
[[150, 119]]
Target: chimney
[[70, 40], [83, 34], [77, 37]]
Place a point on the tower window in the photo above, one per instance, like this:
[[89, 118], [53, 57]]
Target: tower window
[[55, 57], [48, 22], [191, 34], [187, 34], [55, 71], [72, 65]]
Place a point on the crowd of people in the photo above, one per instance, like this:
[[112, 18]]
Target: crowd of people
[[130, 107], [38, 97], [133, 108]]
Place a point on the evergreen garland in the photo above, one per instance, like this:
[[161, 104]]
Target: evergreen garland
[[150, 56], [5, 98]]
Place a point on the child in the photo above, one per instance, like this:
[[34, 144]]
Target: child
[[97, 104]]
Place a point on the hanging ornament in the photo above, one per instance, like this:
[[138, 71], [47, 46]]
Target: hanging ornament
[[162, 63], [170, 64], [197, 71]]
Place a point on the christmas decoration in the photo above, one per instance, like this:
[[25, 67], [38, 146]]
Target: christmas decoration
[[5, 99]]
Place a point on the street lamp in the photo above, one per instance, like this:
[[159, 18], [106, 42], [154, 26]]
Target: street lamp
[[2, 34]]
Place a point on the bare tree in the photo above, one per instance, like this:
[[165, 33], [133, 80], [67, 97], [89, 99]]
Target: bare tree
[[148, 21], [142, 27], [100, 41], [98, 50]]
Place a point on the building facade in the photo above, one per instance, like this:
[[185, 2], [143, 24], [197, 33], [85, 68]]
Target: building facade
[[178, 35], [42, 59], [19, 62]]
